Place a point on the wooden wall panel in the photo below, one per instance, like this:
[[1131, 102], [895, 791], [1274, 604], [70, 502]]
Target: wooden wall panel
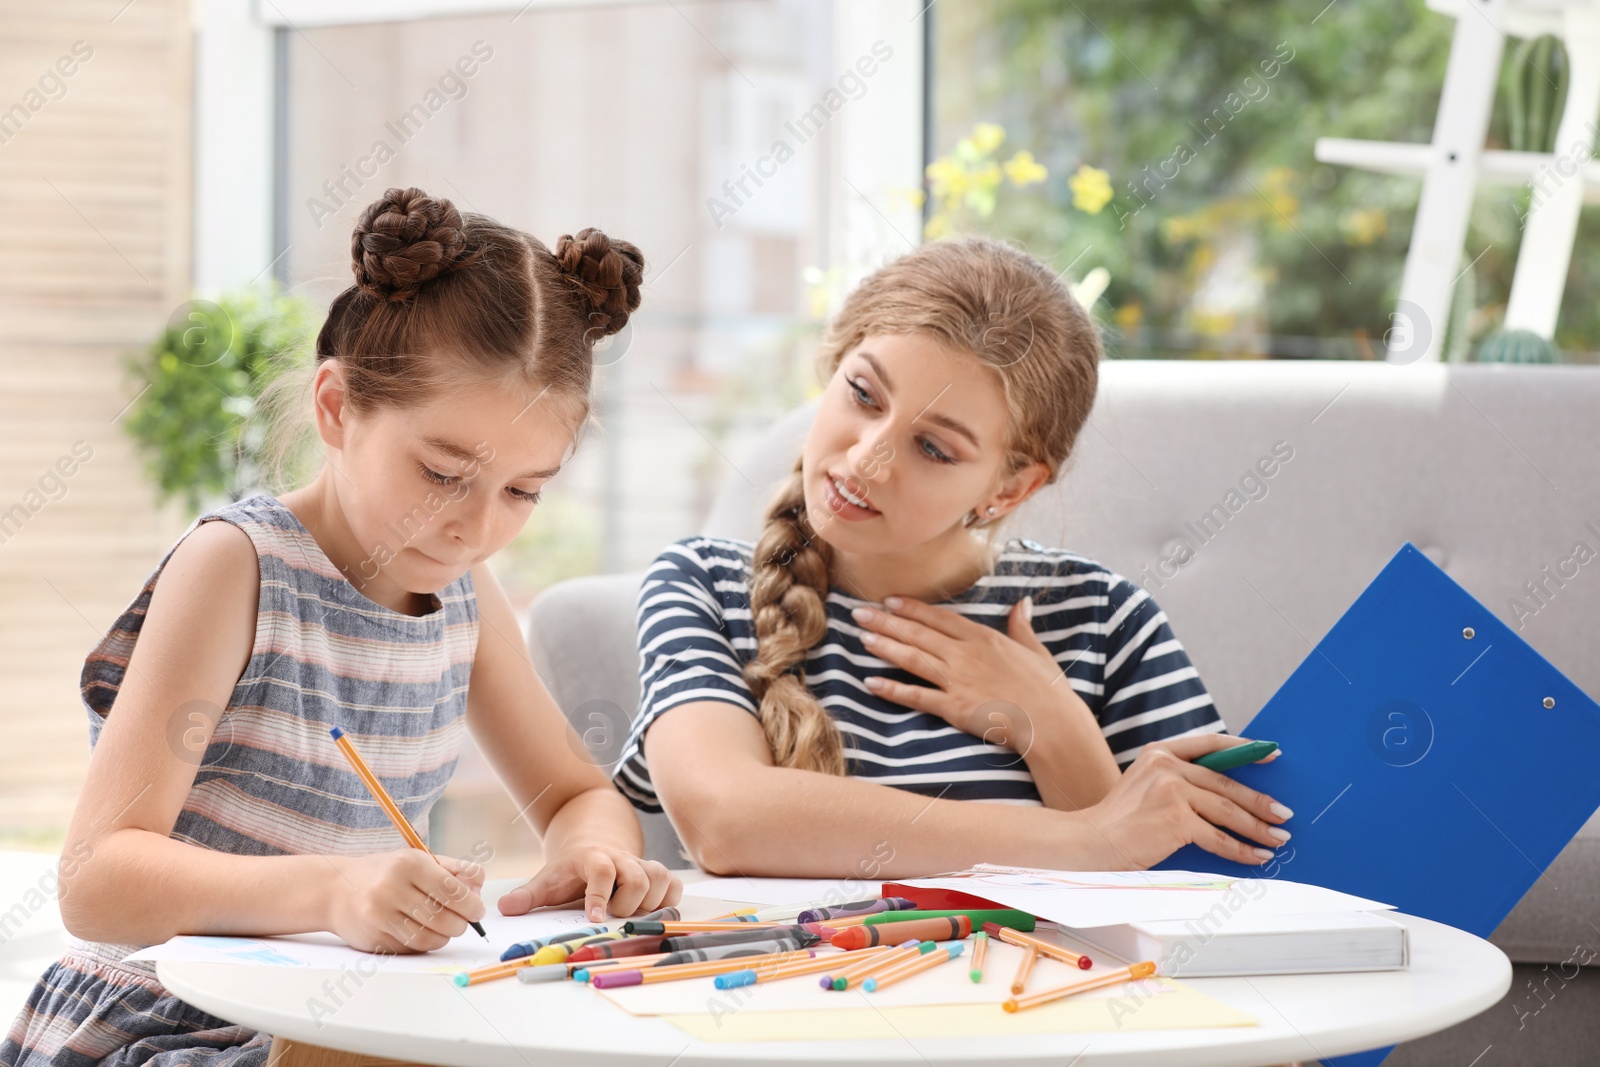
[[95, 209]]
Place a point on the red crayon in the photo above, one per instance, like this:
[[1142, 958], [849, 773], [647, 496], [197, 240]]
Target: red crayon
[[625, 946], [949, 928]]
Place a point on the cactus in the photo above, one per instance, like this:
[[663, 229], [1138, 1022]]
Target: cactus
[[1537, 93], [1517, 346]]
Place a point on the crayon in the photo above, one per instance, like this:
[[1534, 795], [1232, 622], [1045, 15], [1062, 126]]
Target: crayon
[[622, 946], [560, 951], [950, 928], [859, 907], [528, 948], [550, 972], [806, 935], [1016, 920]]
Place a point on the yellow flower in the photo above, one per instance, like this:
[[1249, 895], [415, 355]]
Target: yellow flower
[[1091, 188], [937, 227], [1362, 226], [1022, 169], [986, 137]]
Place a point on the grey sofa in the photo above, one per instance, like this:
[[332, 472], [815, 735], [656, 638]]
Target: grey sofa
[[1492, 470]]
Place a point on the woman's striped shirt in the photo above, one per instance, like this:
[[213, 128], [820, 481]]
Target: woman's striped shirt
[[1110, 638]]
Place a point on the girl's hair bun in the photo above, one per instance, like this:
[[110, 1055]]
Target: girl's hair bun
[[607, 274], [404, 239]]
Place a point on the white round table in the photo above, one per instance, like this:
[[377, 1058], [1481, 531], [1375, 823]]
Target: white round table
[[1453, 976]]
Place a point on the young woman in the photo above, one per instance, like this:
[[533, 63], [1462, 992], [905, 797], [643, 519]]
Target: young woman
[[450, 383], [879, 681]]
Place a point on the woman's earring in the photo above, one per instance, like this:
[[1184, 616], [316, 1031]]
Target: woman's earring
[[991, 511]]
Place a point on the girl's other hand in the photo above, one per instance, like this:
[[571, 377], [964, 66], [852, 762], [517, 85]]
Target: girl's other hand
[[403, 901], [601, 879], [1163, 802]]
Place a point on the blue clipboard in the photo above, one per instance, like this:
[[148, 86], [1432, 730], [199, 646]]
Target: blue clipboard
[[1433, 759]]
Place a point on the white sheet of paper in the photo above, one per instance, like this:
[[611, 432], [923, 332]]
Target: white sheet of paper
[[327, 950], [773, 892], [1105, 898]]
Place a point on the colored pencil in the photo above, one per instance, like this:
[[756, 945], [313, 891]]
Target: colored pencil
[[751, 975], [885, 961], [1030, 956], [1044, 948], [926, 962], [623, 977], [385, 801], [1045, 996]]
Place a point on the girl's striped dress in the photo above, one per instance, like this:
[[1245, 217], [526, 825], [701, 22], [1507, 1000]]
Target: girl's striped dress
[[1110, 638], [271, 782]]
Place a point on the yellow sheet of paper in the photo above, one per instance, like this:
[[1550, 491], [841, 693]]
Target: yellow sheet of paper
[[1179, 1007]]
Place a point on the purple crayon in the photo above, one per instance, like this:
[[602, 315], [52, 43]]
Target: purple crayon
[[856, 909]]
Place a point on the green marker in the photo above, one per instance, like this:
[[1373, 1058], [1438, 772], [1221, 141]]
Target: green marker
[[1017, 920], [1226, 759]]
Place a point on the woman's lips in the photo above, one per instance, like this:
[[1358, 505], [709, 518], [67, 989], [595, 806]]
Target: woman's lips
[[842, 506]]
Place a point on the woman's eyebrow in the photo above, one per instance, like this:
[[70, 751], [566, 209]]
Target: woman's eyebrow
[[468, 456], [953, 425]]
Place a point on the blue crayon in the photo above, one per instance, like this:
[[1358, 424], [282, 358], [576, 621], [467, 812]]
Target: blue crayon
[[528, 948]]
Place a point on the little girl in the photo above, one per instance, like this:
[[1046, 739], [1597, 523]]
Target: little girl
[[878, 657], [450, 383]]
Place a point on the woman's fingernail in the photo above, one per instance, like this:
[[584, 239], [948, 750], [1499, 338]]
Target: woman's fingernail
[[1279, 832], [869, 639], [1281, 811], [892, 603], [862, 614], [1265, 854], [1027, 608], [874, 682]]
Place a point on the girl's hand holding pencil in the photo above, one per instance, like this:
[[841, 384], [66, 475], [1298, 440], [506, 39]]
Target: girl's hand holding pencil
[[402, 901]]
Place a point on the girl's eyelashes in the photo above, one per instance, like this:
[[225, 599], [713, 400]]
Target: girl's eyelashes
[[929, 450], [435, 477], [451, 479]]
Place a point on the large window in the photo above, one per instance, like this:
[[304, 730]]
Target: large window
[[714, 135], [1223, 236]]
